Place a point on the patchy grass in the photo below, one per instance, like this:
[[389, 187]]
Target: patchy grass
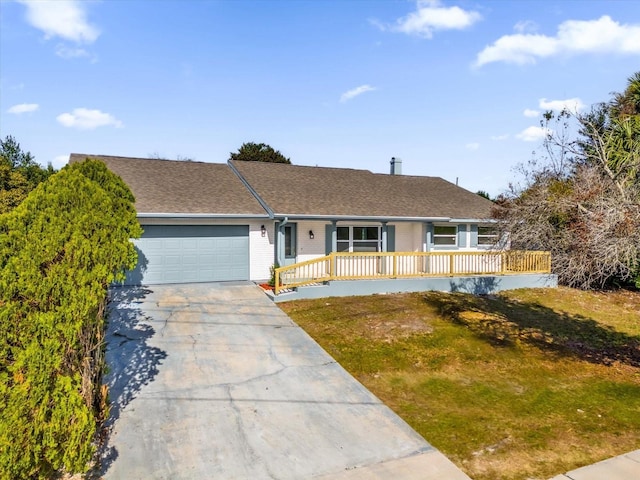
[[522, 385]]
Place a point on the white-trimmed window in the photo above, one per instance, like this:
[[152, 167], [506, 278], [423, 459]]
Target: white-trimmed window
[[487, 236], [359, 239], [445, 235]]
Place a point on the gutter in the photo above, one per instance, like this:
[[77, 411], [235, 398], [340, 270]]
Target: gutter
[[360, 218], [474, 220], [286, 218], [200, 215]]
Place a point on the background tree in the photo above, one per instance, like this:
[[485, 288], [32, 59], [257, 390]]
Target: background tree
[[582, 201], [179, 158], [19, 174], [483, 194], [259, 152], [627, 103]]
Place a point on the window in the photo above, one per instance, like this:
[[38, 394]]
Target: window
[[290, 241], [445, 235], [359, 239], [487, 236]]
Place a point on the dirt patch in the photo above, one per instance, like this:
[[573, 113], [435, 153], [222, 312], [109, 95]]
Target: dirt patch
[[390, 331]]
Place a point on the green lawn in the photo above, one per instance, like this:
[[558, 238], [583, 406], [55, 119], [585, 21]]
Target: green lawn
[[522, 385]]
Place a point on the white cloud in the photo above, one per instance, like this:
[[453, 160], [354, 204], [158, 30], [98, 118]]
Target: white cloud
[[23, 108], [472, 146], [499, 138], [526, 26], [530, 113], [66, 19], [519, 48], [534, 134], [65, 52], [346, 96], [603, 35], [430, 16], [572, 105], [85, 119]]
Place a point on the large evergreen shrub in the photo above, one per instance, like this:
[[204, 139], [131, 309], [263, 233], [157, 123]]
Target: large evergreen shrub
[[59, 251]]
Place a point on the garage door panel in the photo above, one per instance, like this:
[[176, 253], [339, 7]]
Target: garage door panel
[[207, 243], [154, 244], [169, 260], [181, 254], [189, 243]]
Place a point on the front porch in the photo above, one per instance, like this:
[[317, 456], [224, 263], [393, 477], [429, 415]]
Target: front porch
[[347, 273]]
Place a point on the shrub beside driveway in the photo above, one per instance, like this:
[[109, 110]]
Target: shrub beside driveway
[[59, 250]]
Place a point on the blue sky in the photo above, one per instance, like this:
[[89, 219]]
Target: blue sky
[[453, 88]]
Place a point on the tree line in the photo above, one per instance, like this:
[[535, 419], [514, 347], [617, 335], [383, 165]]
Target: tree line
[[581, 200]]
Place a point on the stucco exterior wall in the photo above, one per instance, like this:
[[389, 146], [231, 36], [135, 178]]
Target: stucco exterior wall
[[261, 250], [405, 237], [308, 248]]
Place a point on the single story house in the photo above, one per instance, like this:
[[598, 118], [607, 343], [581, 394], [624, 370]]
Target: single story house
[[214, 222]]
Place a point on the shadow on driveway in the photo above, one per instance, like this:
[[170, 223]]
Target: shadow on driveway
[[213, 380], [131, 361]]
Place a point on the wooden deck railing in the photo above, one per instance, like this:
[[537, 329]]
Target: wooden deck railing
[[379, 265]]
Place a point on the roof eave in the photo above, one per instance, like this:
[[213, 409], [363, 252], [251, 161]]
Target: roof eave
[[378, 218], [200, 215], [474, 220]]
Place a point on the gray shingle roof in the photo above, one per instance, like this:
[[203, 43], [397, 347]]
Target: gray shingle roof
[[300, 190], [181, 187]]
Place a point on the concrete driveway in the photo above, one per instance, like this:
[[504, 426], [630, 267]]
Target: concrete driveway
[[214, 381]]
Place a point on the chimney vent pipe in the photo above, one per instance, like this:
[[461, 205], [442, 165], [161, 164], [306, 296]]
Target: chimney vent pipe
[[396, 166]]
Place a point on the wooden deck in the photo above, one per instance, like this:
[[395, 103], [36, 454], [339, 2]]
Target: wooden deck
[[386, 265]]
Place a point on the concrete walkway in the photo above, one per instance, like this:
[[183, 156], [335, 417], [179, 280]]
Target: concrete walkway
[[213, 381], [623, 467]]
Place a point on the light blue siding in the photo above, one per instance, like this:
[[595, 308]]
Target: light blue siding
[[391, 238], [477, 285], [429, 233], [462, 235], [474, 235]]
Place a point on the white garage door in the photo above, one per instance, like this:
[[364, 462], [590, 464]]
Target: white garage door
[[190, 253]]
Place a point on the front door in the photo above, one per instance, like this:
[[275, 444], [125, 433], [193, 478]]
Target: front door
[[290, 243]]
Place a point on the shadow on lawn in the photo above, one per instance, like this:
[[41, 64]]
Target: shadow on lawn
[[504, 322]]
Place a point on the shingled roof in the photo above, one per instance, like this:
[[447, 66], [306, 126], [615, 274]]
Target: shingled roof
[[298, 191], [197, 188], [181, 187]]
